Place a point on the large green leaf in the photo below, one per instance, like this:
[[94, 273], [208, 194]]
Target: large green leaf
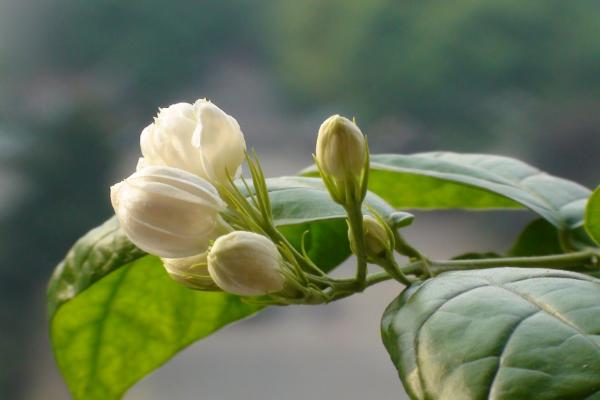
[[95, 255], [500, 334], [115, 315], [592, 216], [441, 180], [131, 322]]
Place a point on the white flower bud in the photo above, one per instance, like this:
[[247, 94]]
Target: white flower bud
[[168, 212], [199, 138], [377, 241], [340, 148], [246, 264], [190, 271]]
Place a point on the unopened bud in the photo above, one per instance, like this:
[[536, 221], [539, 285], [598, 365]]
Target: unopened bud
[[246, 264], [377, 241], [340, 148], [190, 271], [168, 212]]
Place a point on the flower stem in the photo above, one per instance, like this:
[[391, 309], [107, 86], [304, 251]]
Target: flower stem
[[575, 260], [355, 220]]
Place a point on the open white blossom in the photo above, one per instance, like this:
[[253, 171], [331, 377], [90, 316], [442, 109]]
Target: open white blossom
[[199, 138], [168, 212]]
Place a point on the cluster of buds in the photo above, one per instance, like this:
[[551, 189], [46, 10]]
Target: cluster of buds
[[179, 203], [171, 207], [342, 158]]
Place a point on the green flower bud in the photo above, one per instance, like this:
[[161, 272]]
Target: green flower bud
[[246, 264], [191, 272], [340, 148], [377, 240]]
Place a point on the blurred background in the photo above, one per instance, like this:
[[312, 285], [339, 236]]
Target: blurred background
[[80, 80]]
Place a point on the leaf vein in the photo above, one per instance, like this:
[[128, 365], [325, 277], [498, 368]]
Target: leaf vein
[[101, 328], [433, 312], [501, 355]]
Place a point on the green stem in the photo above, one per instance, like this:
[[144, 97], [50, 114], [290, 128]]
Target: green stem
[[355, 219], [347, 287], [342, 288], [277, 237], [390, 265], [404, 248], [374, 279], [575, 260]]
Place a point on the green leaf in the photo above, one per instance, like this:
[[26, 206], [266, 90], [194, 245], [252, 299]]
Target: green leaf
[[131, 322], [539, 238], [115, 315], [326, 243], [95, 255], [297, 200], [441, 180], [502, 334], [592, 216]]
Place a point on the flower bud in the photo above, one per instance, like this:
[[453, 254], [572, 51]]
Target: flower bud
[[190, 271], [377, 241], [340, 148], [168, 212], [246, 264], [199, 138]]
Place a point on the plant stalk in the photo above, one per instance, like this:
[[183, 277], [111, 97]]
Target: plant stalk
[[576, 260], [355, 220]]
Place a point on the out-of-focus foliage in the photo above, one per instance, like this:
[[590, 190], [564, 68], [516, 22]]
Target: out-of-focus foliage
[[146, 48], [67, 176], [464, 69]]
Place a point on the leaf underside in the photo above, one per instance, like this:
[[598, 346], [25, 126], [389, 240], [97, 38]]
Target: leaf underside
[[502, 334], [116, 332], [559, 201], [447, 180]]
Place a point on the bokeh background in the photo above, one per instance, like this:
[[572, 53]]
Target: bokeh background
[[79, 80]]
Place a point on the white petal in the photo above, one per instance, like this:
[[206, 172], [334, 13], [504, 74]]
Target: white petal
[[221, 141]]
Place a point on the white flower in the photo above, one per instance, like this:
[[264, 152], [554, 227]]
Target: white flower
[[190, 271], [246, 264], [168, 212], [340, 148], [199, 138]]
